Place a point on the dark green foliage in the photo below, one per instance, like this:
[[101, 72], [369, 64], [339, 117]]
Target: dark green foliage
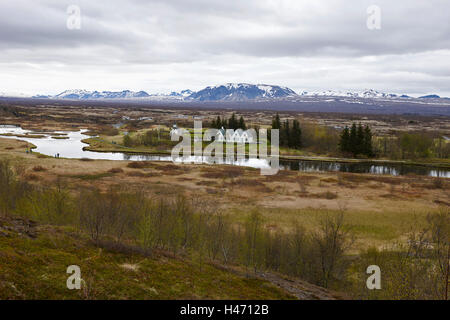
[[290, 136], [356, 141], [344, 144], [241, 124], [231, 123], [276, 123]]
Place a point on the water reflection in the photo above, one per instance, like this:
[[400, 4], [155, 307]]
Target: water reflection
[[364, 167], [72, 147]]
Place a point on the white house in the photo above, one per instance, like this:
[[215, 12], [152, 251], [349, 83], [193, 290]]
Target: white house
[[175, 130], [238, 136]]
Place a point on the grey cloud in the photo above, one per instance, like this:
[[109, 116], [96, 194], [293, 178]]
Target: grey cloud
[[272, 41]]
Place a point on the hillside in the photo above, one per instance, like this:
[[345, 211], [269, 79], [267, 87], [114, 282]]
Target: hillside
[[33, 262]]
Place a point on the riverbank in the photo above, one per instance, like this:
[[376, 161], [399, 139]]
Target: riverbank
[[381, 208], [101, 145]]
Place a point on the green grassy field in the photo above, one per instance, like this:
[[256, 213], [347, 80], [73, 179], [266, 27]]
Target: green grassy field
[[35, 268]]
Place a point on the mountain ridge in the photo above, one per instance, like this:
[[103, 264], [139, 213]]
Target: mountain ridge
[[227, 92]]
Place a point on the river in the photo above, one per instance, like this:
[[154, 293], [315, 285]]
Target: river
[[72, 147]]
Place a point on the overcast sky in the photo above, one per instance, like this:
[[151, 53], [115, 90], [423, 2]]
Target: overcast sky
[[164, 45]]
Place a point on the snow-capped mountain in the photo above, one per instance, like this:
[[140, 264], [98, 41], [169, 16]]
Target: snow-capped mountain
[[182, 93], [225, 92], [79, 94], [369, 93], [87, 95], [430, 96], [241, 92]]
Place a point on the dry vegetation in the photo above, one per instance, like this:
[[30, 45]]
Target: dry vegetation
[[373, 217]]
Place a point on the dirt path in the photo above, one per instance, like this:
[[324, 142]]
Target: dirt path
[[302, 290]]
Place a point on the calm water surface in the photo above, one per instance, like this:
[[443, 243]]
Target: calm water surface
[[72, 147]]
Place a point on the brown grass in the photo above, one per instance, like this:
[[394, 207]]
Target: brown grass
[[228, 172], [139, 164], [31, 177], [115, 170], [325, 195], [39, 168], [206, 183]]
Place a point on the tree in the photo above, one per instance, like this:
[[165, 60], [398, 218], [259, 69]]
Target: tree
[[367, 142], [216, 124], [357, 140], [232, 122], [353, 141], [127, 141], [276, 123], [241, 124], [344, 144], [284, 134], [359, 147], [332, 241], [296, 135]]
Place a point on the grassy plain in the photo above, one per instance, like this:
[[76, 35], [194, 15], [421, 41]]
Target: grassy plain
[[380, 209]]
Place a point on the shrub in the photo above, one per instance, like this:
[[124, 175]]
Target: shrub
[[139, 164], [115, 170]]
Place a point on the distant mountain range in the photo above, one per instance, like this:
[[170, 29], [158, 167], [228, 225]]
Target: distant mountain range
[[370, 93], [242, 92], [226, 92]]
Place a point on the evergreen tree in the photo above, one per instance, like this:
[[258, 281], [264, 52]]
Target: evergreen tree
[[276, 123], [232, 122], [344, 144], [367, 144], [359, 140], [218, 123], [353, 141], [241, 124], [284, 135], [296, 135]]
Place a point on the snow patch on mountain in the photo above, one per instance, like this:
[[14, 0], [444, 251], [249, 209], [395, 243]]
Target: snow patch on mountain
[[368, 94], [241, 92]]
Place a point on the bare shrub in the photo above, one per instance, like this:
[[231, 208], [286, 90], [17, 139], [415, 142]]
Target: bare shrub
[[39, 168], [115, 170], [331, 243]]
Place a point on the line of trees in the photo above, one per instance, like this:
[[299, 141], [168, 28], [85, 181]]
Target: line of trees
[[193, 227], [290, 135], [357, 140], [413, 145], [231, 123]]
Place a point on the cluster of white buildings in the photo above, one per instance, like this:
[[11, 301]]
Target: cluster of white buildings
[[227, 136], [238, 136]]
